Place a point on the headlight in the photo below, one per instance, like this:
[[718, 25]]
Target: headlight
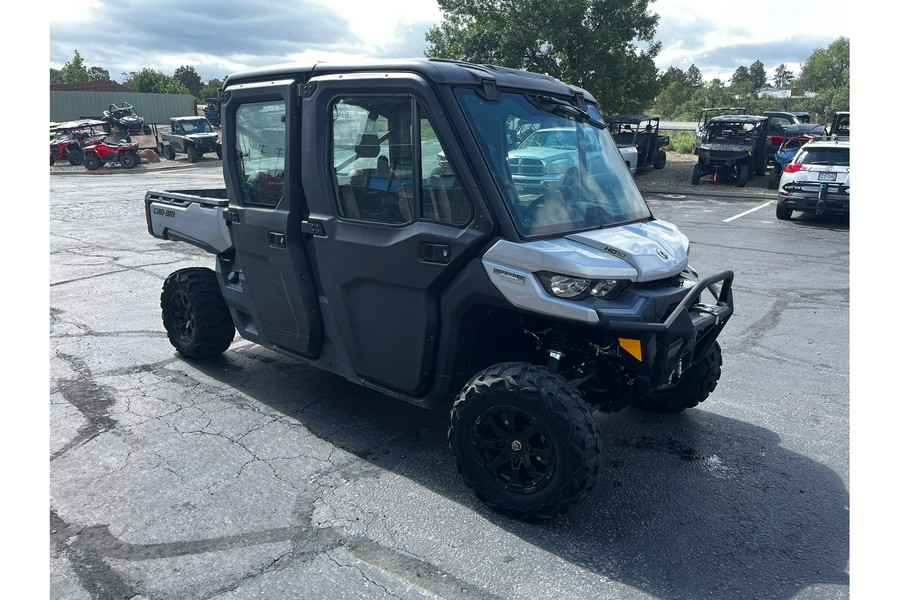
[[577, 288], [556, 168]]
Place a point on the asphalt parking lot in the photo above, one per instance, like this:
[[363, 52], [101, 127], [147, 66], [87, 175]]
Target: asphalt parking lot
[[252, 476]]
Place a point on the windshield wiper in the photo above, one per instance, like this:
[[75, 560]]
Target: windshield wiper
[[564, 109]]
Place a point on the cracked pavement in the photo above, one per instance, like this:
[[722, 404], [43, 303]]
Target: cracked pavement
[[254, 476]]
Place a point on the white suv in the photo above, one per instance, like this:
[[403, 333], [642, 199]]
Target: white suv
[[817, 180]]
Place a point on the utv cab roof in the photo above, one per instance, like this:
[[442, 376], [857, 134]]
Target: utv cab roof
[[439, 71], [738, 119]]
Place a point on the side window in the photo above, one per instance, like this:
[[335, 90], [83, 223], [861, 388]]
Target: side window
[[261, 139], [777, 125], [443, 197], [380, 173]]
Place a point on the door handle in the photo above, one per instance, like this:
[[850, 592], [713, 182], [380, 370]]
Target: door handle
[[435, 253], [276, 240]]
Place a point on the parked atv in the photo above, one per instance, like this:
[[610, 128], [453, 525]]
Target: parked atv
[[642, 132], [708, 113], [193, 136], [103, 152], [68, 140], [377, 227], [212, 112], [122, 117], [731, 148], [794, 137]]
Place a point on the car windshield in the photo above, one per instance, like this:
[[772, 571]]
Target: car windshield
[[558, 168], [731, 132], [196, 126], [824, 156]]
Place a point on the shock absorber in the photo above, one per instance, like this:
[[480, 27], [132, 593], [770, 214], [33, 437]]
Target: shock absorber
[[559, 341]]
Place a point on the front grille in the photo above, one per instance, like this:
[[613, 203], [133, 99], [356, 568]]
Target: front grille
[[526, 166]]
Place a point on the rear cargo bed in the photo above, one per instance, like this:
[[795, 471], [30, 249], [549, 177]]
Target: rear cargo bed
[[199, 217]]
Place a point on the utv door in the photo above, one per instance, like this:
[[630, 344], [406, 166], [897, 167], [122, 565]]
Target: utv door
[[390, 219], [268, 208]]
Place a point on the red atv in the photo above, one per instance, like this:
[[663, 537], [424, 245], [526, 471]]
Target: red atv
[[104, 152], [68, 140]]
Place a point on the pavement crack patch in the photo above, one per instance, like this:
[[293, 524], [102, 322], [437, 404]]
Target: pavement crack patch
[[91, 399]]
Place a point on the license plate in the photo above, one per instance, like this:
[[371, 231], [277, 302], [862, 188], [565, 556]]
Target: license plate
[[827, 176]]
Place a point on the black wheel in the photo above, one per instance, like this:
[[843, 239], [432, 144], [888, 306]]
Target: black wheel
[[92, 162], [75, 156], [524, 440], [194, 313], [660, 160], [696, 174], [774, 179], [129, 160], [761, 169], [783, 213], [170, 152], [52, 160], [691, 389], [743, 175], [161, 150], [146, 129], [192, 154], [219, 151]]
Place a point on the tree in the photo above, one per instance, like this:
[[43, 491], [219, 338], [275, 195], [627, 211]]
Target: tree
[[98, 74], [828, 68], [151, 81], [742, 82], [783, 77], [694, 77], [188, 77], [589, 43], [210, 89], [757, 73], [74, 71], [55, 76]]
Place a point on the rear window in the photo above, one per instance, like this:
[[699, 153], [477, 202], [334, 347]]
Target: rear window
[[824, 156]]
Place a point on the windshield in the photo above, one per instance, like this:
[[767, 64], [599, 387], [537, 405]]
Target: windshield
[[558, 169], [732, 132], [196, 126]]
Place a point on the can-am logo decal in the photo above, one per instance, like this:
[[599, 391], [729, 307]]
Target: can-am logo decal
[[662, 254], [614, 252], [510, 276]]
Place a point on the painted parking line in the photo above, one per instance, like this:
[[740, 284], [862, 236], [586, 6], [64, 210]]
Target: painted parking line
[[747, 212]]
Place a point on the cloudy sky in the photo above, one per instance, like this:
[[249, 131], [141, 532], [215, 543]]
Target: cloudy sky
[[219, 38]]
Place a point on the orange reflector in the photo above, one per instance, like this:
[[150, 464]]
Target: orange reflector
[[632, 347]]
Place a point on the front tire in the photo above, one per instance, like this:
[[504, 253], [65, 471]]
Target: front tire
[[694, 387], [92, 162], [660, 160], [194, 313], [170, 152], [696, 174], [524, 440], [75, 156], [129, 160], [192, 154], [743, 175]]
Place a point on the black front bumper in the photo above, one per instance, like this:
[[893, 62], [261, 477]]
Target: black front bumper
[[677, 341]]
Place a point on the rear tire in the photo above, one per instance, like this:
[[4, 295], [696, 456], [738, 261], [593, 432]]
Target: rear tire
[[774, 179], [783, 213], [219, 151], [194, 313], [146, 129], [743, 175], [192, 154], [693, 388], [170, 152], [92, 162], [696, 174], [524, 440]]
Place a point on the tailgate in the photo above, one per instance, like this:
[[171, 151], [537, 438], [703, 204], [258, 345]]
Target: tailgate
[[202, 221]]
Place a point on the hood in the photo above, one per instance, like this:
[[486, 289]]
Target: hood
[[544, 154], [639, 252]]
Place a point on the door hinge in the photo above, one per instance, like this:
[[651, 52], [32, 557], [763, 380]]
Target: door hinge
[[314, 228], [231, 216]]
